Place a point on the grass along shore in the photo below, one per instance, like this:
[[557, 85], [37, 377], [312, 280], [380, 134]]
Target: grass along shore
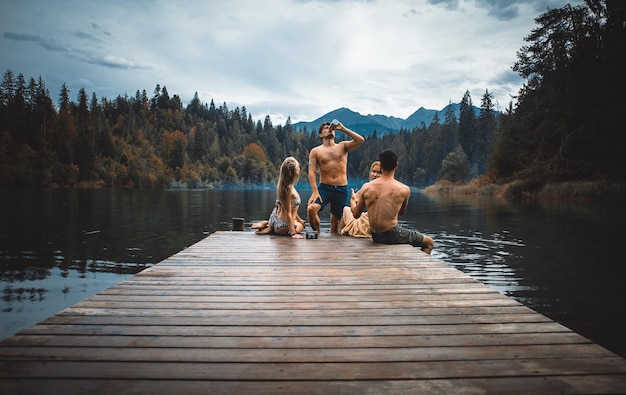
[[574, 190]]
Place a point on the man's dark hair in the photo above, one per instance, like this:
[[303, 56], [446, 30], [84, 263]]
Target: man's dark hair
[[388, 159], [319, 132]]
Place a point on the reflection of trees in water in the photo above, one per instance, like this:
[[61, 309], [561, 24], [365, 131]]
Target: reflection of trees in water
[[19, 270], [14, 273], [22, 294]]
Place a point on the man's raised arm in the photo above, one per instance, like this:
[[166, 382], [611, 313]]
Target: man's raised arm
[[357, 139]]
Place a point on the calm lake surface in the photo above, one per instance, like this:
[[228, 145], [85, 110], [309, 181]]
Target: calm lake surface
[[60, 246]]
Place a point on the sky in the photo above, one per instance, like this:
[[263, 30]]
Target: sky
[[283, 58]]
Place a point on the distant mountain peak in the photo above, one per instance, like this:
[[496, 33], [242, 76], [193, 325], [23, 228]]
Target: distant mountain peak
[[382, 124]]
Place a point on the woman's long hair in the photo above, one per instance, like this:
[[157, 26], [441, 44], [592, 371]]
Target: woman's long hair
[[288, 175]]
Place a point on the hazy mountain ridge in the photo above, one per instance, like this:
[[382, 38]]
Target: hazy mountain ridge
[[366, 124]]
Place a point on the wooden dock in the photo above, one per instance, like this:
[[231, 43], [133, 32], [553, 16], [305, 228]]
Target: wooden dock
[[239, 313]]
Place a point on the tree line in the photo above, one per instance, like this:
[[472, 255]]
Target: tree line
[[156, 141], [566, 124], [558, 130]]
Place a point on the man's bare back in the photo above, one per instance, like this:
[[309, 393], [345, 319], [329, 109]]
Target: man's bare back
[[385, 199]]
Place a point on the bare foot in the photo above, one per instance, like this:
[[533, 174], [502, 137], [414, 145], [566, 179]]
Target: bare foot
[[259, 225], [428, 244], [264, 231]]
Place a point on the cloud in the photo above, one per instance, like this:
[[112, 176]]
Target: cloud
[[105, 60], [502, 9], [116, 63], [48, 44], [86, 36], [298, 58]]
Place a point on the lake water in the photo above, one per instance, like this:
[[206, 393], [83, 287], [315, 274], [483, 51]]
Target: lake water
[[60, 246]]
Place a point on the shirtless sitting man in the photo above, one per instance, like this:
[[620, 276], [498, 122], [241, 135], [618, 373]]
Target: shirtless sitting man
[[332, 160], [385, 198]]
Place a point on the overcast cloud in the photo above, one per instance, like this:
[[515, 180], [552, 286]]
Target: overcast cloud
[[294, 58]]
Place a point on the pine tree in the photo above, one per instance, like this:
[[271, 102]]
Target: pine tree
[[467, 127]]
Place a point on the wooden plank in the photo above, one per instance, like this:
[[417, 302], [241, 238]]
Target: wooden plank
[[231, 341], [282, 331], [315, 354], [351, 369], [273, 320], [177, 312], [507, 385], [241, 313]]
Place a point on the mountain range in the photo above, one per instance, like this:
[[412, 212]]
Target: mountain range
[[366, 124]]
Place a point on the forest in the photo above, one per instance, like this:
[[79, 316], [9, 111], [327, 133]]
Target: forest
[[561, 128]]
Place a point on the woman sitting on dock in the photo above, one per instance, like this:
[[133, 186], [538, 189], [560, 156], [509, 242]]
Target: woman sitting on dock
[[284, 219], [358, 227]]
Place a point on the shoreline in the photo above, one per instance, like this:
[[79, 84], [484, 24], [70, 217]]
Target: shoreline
[[569, 190]]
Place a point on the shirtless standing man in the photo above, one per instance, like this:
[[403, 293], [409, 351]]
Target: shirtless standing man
[[332, 160], [385, 199]]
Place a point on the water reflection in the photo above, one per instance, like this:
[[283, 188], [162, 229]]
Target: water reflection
[[484, 258], [470, 235], [58, 247], [557, 257]]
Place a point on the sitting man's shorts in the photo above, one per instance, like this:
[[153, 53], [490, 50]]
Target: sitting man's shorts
[[399, 235], [337, 196]]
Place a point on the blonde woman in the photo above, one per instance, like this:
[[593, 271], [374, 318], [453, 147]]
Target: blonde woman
[[284, 219]]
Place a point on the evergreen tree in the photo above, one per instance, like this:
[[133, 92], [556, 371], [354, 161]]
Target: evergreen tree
[[43, 113], [7, 88], [62, 137], [194, 108], [467, 127], [450, 138], [84, 146], [560, 130], [455, 167], [64, 98], [154, 102], [485, 132]]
